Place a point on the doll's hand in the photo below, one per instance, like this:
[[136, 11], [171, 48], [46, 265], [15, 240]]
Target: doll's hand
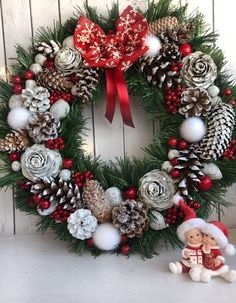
[[186, 254], [217, 262]]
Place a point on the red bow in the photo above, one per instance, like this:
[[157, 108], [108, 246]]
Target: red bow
[[115, 52]]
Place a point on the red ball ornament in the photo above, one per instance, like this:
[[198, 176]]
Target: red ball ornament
[[175, 173], [182, 144], [16, 79], [14, 156], [227, 92], [90, 243], [67, 163], [185, 49], [206, 183], [17, 89], [172, 142], [28, 75], [125, 249], [44, 204], [131, 193]]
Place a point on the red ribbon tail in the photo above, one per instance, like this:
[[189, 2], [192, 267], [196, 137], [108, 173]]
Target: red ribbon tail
[[123, 95], [111, 94]]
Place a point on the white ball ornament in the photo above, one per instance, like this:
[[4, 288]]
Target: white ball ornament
[[106, 237], [18, 117], [173, 153], [213, 91], [65, 174], [166, 166], [15, 166], [36, 68], [15, 101], [154, 45], [60, 109], [30, 83], [192, 129], [68, 42], [113, 195], [40, 59]]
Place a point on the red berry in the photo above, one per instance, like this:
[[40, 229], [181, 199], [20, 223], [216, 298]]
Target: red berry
[[28, 75], [90, 242], [131, 193], [182, 144], [16, 79], [67, 163], [36, 198], [185, 49], [125, 249], [44, 204], [175, 173], [174, 161], [172, 142], [206, 183], [48, 63], [14, 156], [227, 92], [17, 89]]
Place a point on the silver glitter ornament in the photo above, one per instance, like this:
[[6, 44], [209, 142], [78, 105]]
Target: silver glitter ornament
[[113, 195]]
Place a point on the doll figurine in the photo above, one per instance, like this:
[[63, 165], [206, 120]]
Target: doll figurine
[[188, 232], [215, 242]]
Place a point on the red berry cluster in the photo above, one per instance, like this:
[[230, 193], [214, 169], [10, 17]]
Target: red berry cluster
[[40, 201], [80, 178], [230, 152], [49, 63], [17, 83], [179, 144], [55, 96], [174, 213], [23, 185], [173, 98], [61, 215], [57, 143]]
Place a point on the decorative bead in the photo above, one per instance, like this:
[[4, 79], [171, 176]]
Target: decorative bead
[[44, 204], [28, 75], [14, 156], [16, 166], [16, 79], [125, 249], [172, 142], [173, 153], [227, 92], [48, 211], [175, 173], [182, 144]]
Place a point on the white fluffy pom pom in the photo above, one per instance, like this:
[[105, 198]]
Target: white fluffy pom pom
[[106, 237], [15, 101], [230, 250], [176, 199], [192, 129], [18, 117], [154, 45]]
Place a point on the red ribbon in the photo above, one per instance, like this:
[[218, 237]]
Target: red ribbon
[[115, 52]]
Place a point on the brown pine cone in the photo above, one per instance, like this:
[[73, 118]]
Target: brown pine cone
[[195, 102], [131, 218], [162, 25], [16, 140]]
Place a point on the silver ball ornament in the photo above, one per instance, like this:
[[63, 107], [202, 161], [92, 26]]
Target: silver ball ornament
[[40, 59], [113, 195], [65, 174], [18, 117], [16, 166], [15, 101], [60, 109], [35, 68]]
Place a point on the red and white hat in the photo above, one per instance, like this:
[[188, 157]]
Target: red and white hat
[[190, 219], [219, 231]]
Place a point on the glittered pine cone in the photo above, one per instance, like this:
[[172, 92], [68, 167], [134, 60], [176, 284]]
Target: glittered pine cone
[[36, 99], [42, 126], [131, 218], [199, 70], [68, 60], [195, 102], [170, 51]]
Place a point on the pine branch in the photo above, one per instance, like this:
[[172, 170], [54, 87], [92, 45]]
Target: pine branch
[[57, 33]]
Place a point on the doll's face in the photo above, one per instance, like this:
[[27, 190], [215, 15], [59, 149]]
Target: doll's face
[[209, 240], [194, 236]]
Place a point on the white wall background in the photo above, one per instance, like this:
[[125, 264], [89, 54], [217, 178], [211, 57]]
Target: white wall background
[[19, 20]]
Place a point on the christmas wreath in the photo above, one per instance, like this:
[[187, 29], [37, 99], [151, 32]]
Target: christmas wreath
[[171, 62]]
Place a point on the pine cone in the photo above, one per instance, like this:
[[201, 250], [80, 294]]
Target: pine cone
[[94, 199], [42, 126], [170, 51], [51, 48], [54, 80], [221, 123], [68, 60], [58, 191], [130, 217], [195, 102], [36, 99], [16, 140], [181, 34], [162, 25], [87, 82]]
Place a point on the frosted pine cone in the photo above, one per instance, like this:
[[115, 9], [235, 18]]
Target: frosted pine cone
[[36, 99], [82, 224], [195, 102], [130, 217], [68, 60], [43, 126], [50, 48]]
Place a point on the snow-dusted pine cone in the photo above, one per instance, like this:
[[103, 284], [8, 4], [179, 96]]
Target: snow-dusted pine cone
[[58, 191], [131, 218], [94, 198], [68, 60], [195, 102], [43, 126], [170, 51], [54, 80], [16, 140], [48, 49], [36, 99]]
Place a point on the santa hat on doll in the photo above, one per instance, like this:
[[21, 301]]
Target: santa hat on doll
[[220, 232], [190, 218]]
